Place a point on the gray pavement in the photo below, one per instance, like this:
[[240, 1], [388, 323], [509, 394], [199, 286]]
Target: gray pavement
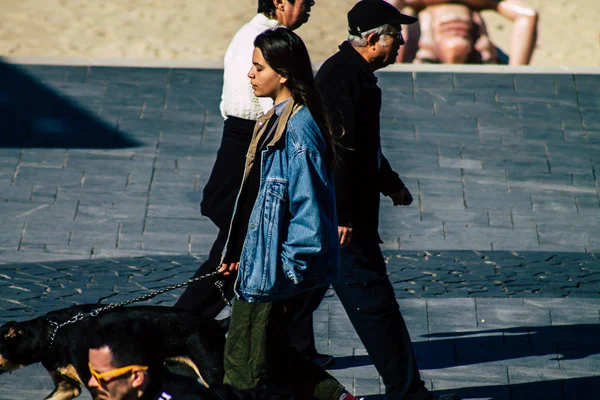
[[494, 265]]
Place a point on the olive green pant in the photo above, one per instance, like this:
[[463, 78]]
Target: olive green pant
[[258, 354]]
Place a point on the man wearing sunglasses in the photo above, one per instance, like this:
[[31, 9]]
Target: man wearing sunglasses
[[123, 367]]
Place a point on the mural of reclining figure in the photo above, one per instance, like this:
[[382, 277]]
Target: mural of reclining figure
[[453, 32]]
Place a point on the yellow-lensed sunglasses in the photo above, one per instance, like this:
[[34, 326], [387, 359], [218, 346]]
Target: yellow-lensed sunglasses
[[115, 373]]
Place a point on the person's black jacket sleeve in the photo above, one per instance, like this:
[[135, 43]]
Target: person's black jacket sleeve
[[340, 104], [389, 180]]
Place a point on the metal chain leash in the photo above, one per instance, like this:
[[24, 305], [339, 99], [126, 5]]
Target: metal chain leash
[[148, 296]]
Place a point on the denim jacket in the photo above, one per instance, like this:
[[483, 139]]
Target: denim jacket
[[292, 243]]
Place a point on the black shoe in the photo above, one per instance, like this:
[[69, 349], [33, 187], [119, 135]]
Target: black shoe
[[449, 396], [323, 360]]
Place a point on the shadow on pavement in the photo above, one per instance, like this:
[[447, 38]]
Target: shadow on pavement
[[35, 115], [556, 343], [560, 389], [450, 349]]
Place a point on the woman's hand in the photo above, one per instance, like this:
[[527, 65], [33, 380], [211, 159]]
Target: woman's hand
[[228, 268]]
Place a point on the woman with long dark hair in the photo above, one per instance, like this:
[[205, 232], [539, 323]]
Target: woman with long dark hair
[[300, 80], [283, 237]]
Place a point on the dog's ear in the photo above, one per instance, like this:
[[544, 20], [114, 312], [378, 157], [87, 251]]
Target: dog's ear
[[14, 331]]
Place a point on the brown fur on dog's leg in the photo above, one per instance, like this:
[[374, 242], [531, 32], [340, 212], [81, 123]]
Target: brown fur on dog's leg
[[7, 366], [70, 373], [187, 361], [66, 382]]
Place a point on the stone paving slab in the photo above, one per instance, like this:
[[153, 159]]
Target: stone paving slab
[[450, 277], [494, 265], [509, 147]]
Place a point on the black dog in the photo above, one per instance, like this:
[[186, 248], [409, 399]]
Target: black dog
[[185, 337]]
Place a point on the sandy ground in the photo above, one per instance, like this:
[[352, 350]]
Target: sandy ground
[[569, 32]]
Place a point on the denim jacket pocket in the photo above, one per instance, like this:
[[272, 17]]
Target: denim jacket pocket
[[275, 199], [276, 208], [277, 187]]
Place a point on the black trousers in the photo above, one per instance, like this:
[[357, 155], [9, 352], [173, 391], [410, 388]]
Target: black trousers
[[368, 297], [203, 297], [218, 202], [220, 192]]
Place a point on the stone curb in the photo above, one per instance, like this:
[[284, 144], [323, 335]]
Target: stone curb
[[211, 64]]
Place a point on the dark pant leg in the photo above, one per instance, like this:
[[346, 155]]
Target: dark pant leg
[[220, 192], [315, 382], [300, 311], [374, 312], [248, 348], [203, 297], [218, 201]]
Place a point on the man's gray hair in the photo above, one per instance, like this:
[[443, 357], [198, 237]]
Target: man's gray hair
[[361, 41]]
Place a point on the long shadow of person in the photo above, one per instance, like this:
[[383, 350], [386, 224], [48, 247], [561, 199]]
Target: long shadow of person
[[552, 347], [32, 114], [556, 344]]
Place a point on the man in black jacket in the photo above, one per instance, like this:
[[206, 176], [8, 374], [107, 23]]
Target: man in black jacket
[[350, 92]]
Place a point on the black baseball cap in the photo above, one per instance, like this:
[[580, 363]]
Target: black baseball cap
[[369, 14]]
